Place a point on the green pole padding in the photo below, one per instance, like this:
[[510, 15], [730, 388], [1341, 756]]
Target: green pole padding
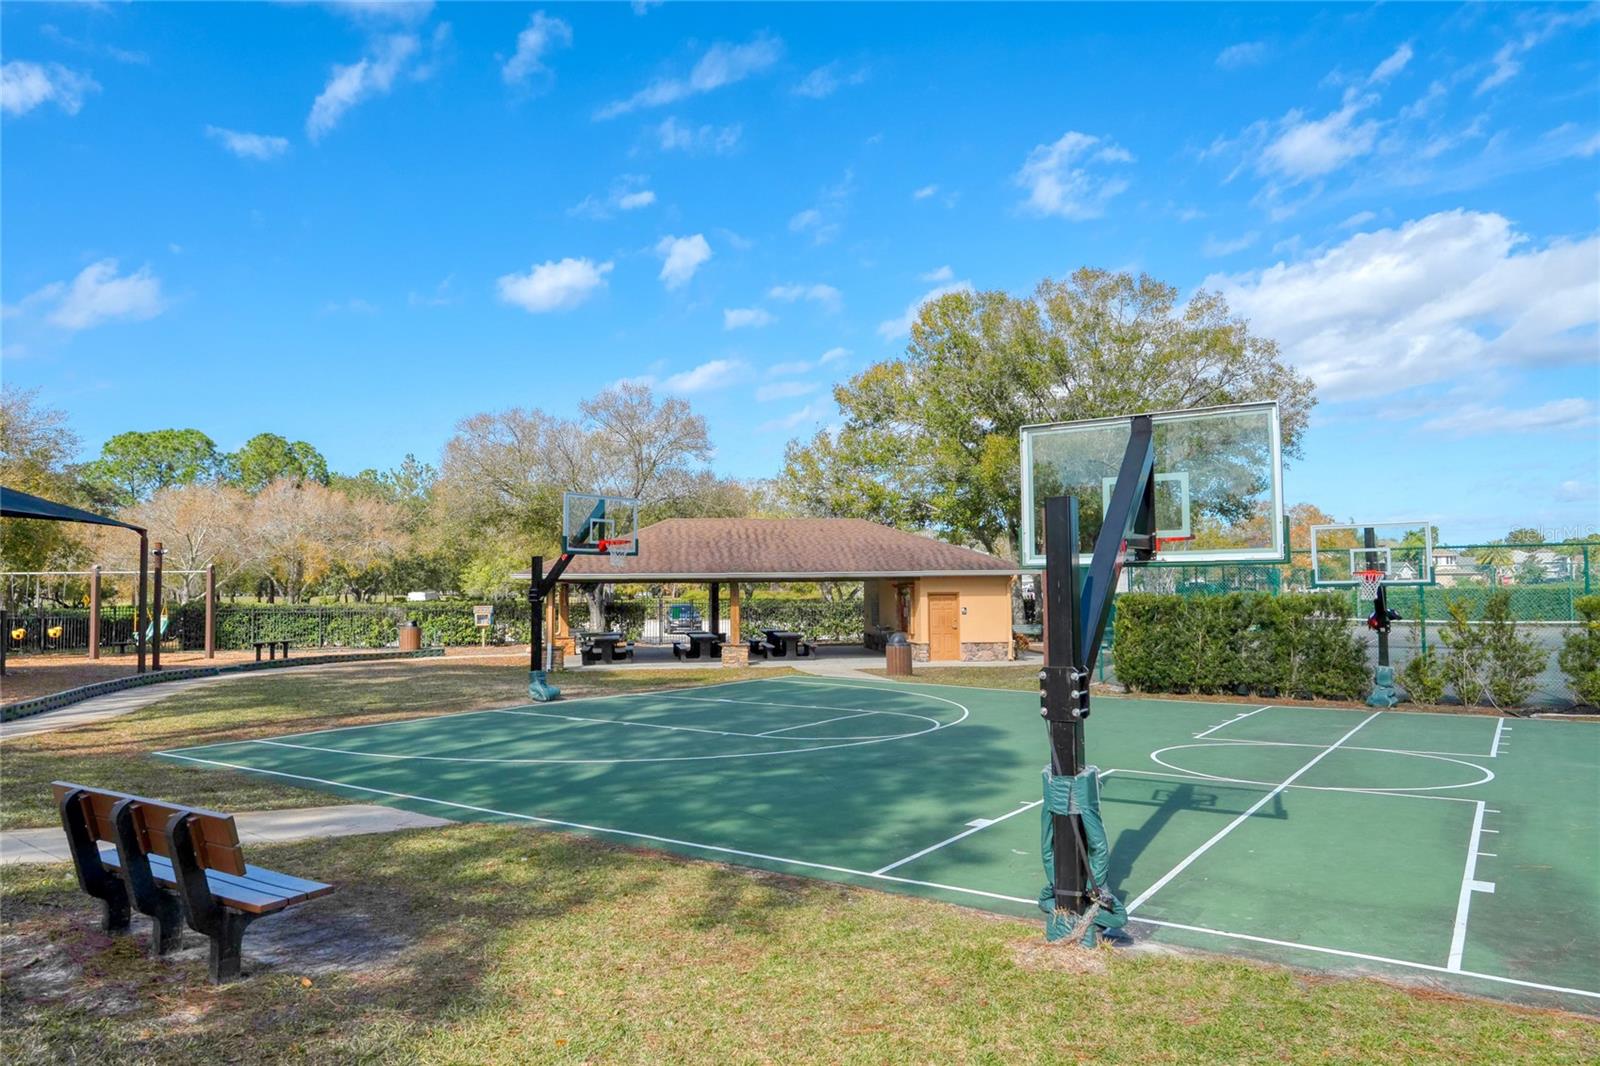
[[540, 688], [1078, 795]]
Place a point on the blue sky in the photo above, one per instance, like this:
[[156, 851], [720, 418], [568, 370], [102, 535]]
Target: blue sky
[[356, 224]]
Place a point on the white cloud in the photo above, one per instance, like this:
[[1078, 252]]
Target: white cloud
[[675, 136], [925, 192], [827, 80], [1059, 179], [1216, 247], [833, 355], [901, 327], [681, 257], [641, 7], [383, 12], [826, 295], [24, 86], [1305, 149], [554, 285], [628, 193], [1471, 420], [1393, 65], [784, 390], [1444, 298], [98, 295], [717, 374], [1359, 219], [1537, 28], [1243, 54], [803, 366], [811, 412], [943, 273], [355, 306], [249, 145], [722, 64], [747, 318], [540, 37], [373, 75], [824, 220]]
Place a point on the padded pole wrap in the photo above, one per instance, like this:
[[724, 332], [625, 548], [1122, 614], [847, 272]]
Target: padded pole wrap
[[1078, 797]]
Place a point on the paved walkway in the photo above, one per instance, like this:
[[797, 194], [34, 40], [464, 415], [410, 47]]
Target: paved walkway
[[259, 827]]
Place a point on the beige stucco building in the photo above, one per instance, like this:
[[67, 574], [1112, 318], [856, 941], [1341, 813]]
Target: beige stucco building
[[953, 603]]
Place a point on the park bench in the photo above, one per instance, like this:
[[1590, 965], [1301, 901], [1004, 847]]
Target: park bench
[[172, 862], [604, 647], [272, 647]]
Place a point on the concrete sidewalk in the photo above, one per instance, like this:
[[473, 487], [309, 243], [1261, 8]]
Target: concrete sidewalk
[[259, 827]]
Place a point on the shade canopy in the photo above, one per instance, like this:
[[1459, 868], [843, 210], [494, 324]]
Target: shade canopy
[[782, 549], [14, 503]]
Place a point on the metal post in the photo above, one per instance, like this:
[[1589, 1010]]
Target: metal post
[[211, 611], [94, 611], [716, 607], [1063, 635], [536, 614], [155, 622], [141, 600]]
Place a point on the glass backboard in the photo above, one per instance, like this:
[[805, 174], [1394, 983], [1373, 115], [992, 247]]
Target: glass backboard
[[1401, 551], [594, 524], [1218, 481]]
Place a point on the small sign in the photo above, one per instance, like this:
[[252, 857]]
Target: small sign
[[483, 615]]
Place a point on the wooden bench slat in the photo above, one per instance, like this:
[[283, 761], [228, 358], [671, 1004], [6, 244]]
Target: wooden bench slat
[[216, 837]]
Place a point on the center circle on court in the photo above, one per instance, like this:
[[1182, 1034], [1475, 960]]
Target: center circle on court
[[846, 727], [1355, 769]]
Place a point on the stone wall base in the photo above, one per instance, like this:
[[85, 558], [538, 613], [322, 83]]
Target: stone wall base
[[985, 651], [736, 654]]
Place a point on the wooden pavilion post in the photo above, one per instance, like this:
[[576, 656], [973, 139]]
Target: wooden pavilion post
[[211, 610], [94, 611], [733, 612], [561, 635]]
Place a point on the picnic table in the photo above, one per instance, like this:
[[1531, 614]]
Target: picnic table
[[604, 648], [700, 644], [784, 643]]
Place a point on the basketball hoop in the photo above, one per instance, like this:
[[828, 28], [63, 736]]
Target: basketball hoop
[[1370, 580], [617, 548]]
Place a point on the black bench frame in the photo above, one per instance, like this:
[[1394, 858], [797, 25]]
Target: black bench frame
[[131, 883]]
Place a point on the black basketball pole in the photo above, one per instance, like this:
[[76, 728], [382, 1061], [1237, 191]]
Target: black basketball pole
[[1077, 610]]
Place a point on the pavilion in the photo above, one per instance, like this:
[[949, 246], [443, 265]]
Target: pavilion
[[953, 603]]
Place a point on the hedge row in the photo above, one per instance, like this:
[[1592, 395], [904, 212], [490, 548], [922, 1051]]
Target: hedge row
[[1297, 645]]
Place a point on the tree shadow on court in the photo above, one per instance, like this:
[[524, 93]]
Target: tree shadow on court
[[1163, 800]]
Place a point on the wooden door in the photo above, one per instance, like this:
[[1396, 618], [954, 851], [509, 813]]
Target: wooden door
[[944, 626]]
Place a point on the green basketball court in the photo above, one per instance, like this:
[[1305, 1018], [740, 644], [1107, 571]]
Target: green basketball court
[[1459, 850]]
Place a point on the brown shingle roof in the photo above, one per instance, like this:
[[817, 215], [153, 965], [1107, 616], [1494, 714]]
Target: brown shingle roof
[[766, 549]]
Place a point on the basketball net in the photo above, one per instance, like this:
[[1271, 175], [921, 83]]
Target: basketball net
[[1370, 580], [617, 549]]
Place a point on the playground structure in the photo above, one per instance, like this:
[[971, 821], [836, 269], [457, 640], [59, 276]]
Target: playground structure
[[98, 630], [17, 504]]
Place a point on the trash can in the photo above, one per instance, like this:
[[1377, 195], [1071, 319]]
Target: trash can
[[897, 655], [410, 636]]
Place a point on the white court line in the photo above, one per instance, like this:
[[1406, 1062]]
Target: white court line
[[1469, 885], [1235, 718], [959, 836], [1262, 802], [618, 721], [1499, 727], [730, 733], [1267, 784], [808, 725], [1352, 747], [1404, 963]]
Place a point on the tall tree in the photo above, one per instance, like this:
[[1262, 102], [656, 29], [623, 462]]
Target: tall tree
[[133, 466], [298, 533], [199, 525], [938, 426], [267, 457], [649, 450], [36, 450]]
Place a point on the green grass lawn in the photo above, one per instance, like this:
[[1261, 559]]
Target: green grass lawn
[[114, 753], [519, 945], [494, 943]]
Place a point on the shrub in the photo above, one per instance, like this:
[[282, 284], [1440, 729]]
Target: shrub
[[1580, 652], [1239, 642], [1489, 658], [1423, 678]]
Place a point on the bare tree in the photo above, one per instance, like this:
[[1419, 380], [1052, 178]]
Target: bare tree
[[649, 451]]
